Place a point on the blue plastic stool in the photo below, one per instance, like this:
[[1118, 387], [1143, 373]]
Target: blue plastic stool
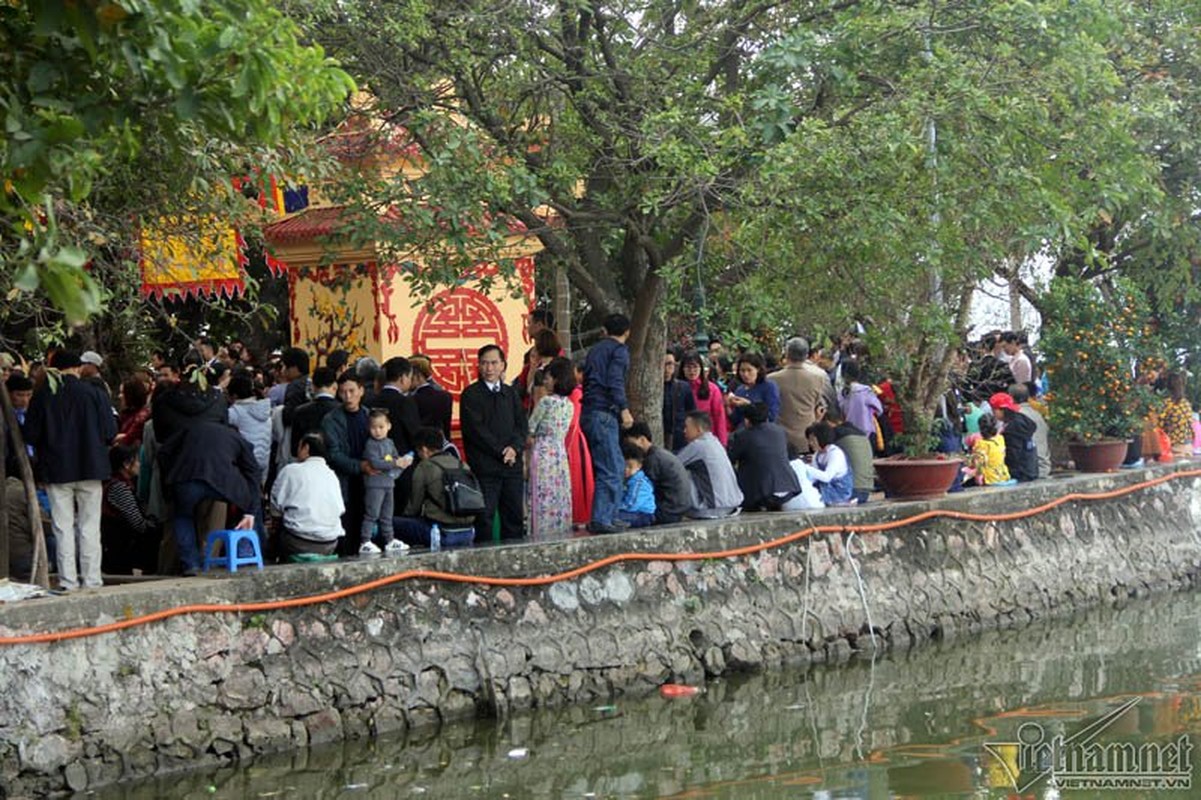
[[231, 560]]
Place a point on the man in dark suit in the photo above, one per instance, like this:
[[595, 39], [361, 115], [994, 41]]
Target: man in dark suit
[[759, 452], [434, 404], [494, 433], [307, 418], [296, 369], [397, 375], [395, 399]]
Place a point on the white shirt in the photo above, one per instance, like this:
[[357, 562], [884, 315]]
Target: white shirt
[[1019, 365], [308, 496], [809, 496], [834, 462]]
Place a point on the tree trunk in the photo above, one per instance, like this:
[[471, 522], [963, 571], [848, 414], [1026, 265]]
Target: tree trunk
[[1015, 295], [39, 570], [562, 307], [645, 382]]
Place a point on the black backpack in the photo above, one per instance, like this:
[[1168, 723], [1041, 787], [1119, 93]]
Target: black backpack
[[463, 495]]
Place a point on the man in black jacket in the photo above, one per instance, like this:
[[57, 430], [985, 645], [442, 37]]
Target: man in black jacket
[[296, 370], [70, 424], [494, 432], [307, 418], [394, 398], [179, 403], [759, 452], [208, 461], [669, 476], [434, 404], [678, 400], [397, 375]]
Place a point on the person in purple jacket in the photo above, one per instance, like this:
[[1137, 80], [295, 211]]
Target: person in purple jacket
[[859, 403]]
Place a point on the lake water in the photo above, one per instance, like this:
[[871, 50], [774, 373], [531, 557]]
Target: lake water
[[901, 725]]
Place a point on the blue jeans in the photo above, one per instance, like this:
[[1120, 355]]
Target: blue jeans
[[601, 430], [636, 519], [189, 495], [415, 531]]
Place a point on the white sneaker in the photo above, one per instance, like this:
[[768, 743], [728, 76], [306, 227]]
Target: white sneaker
[[396, 546], [369, 549]]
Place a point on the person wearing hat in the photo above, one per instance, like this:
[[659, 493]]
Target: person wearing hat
[[20, 392], [70, 425], [1021, 454], [89, 370]]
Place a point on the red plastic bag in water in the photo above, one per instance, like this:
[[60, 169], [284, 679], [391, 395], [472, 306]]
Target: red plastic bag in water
[[678, 690]]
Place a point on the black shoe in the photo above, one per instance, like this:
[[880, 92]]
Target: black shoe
[[600, 527], [621, 525]]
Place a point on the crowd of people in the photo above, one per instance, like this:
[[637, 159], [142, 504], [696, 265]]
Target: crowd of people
[[356, 458]]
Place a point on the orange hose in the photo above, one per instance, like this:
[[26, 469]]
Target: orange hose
[[592, 566]]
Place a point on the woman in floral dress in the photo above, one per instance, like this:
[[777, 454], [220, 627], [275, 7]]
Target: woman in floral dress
[[550, 475]]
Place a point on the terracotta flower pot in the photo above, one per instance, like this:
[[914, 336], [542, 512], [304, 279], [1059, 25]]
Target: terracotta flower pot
[[1103, 456], [916, 478]]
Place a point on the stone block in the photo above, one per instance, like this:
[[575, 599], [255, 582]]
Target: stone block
[[298, 701], [266, 734], [564, 595], [245, 688], [324, 726], [49, 753], [76, 775], [534, 615]]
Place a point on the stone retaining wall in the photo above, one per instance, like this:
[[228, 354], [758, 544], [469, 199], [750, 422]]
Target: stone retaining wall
[[203, 688]]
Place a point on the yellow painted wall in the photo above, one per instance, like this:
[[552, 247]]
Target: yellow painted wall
[[371, 311]]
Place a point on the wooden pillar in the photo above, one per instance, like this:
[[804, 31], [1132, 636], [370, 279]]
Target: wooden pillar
[[40, 572], [3, 508]]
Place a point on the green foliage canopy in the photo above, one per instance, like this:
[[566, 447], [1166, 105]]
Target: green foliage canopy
[[99, 97]]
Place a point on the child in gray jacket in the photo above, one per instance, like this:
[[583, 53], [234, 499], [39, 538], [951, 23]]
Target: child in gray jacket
[[380, 452]]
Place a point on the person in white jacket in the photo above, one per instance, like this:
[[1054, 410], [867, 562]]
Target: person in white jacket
[[308, 496]]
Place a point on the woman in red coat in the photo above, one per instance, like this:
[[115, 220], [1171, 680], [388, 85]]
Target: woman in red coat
[[135, 412], [707, 394], [579, 460]]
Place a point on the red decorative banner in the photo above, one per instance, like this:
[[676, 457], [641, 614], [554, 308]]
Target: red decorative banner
[[451, 328]]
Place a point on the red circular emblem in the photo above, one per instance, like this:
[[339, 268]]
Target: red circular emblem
[[451, 328]]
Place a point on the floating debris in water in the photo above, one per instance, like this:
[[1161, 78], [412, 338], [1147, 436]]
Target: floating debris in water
[[519, 752], [605, 709], [678, 690], [357, 786], [794, 707]]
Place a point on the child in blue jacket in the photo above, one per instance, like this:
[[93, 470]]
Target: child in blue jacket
[[637, 507]]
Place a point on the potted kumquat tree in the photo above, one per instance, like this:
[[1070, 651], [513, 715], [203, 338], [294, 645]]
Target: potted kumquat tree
[[1092, 337]]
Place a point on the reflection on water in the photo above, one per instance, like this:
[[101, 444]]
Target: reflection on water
[[906, 724]]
